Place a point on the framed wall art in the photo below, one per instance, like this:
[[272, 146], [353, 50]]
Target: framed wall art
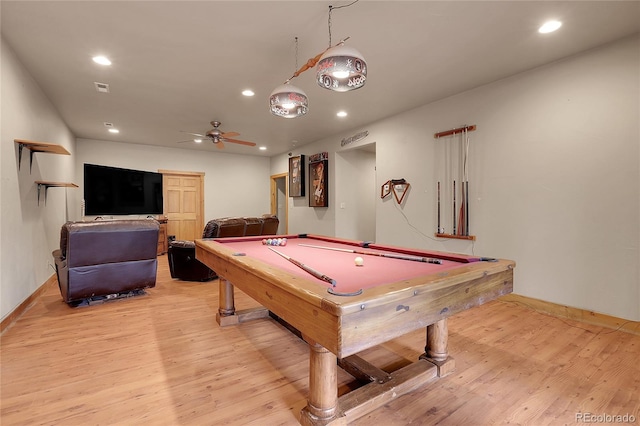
[[296, 176], [319, 180]]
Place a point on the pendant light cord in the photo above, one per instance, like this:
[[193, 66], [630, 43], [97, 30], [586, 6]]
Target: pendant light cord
[[313, 61], [296, 55], [329, 23], [337, 7]]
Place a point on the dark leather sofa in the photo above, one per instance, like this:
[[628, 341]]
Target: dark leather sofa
[[183, 264], [102, 260]]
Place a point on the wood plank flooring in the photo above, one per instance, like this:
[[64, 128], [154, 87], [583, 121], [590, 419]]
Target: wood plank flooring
[[161, 359]]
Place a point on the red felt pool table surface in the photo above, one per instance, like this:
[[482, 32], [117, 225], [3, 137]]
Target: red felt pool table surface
[[340, 266]]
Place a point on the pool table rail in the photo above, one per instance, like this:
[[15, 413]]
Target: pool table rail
[[347, 325], [417, 307]]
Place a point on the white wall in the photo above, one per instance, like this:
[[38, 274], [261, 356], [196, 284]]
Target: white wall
[[234, 185], [554, 178], [29, 232]]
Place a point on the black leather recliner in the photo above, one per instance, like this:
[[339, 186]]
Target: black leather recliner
[[183, 264], [182, 254], [106, 259]]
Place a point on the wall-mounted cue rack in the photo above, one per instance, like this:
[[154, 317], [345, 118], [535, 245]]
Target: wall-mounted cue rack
[[453, 184]]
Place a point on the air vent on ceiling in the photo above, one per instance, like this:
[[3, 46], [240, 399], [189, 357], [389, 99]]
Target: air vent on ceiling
[[101, 87]]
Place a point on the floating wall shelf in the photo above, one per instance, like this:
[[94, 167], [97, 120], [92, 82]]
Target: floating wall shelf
[[47, 185], [34, 147], [50, 148]]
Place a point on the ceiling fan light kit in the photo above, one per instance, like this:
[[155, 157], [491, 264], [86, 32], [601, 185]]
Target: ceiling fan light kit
[[218, 137]]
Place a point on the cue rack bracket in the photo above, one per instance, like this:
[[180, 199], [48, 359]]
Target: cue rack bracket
[[454, 131]]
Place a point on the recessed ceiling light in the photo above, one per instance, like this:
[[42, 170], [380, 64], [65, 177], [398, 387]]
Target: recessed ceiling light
[[114, 131], [197, 140], [341, 114], [263, 148], [248, 92], [102, 60], [549, 27]]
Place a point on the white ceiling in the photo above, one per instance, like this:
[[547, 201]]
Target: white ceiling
[[177, 65]]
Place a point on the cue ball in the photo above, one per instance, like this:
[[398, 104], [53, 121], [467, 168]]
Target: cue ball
[[359, 261]]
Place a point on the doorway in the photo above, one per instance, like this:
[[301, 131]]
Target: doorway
[[183, 194], [279, 204], [356, 199]]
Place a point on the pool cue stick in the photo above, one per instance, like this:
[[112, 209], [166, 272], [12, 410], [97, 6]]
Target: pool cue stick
[[454, 207], [371, 253], [466, 216], [466, 182], [462, 210], [308, 269], [461, 165], [438, 207]]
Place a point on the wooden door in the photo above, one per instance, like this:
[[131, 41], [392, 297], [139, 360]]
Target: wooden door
[[183, 194]]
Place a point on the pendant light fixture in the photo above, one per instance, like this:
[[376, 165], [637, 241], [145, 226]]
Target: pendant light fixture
[[341, 68], [287, 100]]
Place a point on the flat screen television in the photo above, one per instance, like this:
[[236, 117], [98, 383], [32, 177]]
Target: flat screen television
[[115, 191]]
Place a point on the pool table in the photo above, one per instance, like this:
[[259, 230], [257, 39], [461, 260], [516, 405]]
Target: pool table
[[340, 308]]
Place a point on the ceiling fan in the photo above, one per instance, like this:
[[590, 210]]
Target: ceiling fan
[[218, 137]]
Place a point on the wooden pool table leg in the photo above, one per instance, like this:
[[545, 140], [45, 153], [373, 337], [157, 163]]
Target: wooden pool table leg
[[226, 304], [322, 403], [227, 314], [437, 350]]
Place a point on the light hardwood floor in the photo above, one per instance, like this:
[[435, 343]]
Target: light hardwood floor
[[161, 359]]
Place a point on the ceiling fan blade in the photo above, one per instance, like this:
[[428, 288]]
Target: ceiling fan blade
[[194, 134], [240, 142], [188, 140], [219, 145], [229, 134]]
